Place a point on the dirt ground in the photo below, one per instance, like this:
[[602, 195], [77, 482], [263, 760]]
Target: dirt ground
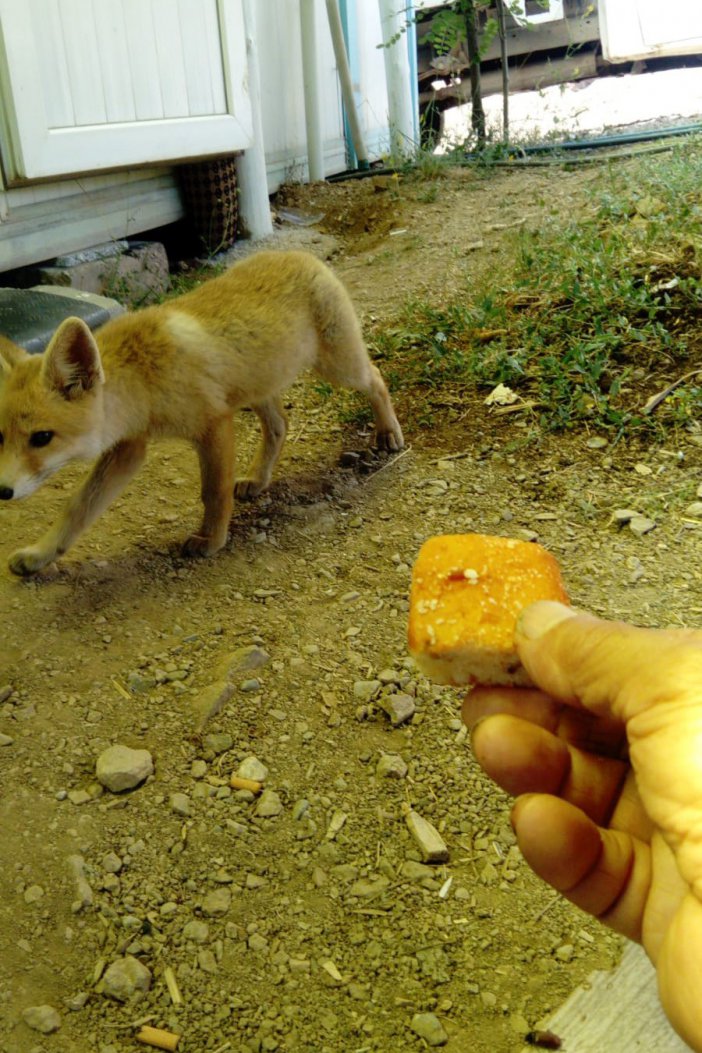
[[309, 925]]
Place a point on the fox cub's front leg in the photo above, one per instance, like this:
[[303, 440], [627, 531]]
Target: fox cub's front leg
[[108, 478], [216, 453]]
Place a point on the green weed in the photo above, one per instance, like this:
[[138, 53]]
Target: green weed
[[601, 312]]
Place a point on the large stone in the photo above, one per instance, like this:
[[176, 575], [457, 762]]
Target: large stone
[[429, 1027], [269, 805], [217, 902], [43, 1018], [136, 273], [126, 979], [121, 768]]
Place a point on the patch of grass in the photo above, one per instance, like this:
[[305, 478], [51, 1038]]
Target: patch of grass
[[601, 312]]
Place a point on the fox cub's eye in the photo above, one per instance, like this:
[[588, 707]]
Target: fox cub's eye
[[40, 438]]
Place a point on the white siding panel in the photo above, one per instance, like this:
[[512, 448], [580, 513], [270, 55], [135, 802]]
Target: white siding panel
[[114, 61], [171, 63], [143, 59], [215, 31], [373, 109], [82, 57], [203, 63], [53, 68]]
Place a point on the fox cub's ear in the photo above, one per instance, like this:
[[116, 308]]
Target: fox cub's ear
[[71, 362], [10, 354]]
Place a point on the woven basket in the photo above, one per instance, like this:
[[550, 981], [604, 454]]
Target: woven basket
[[211, 202]]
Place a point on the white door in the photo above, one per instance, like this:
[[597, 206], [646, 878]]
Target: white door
[[99, 84], [639, 29]]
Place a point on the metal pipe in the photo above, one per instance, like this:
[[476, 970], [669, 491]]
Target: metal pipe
[[342, 62]]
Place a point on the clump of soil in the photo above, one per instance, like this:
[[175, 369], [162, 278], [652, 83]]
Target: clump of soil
[[305, 918]]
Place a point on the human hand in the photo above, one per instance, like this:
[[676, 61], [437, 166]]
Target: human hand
[[605, 758]]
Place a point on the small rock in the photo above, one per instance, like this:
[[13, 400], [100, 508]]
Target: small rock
[[335, 824], [77, 1001], [210, 700], [391, 766], [414, 871], [366, 690], [196, 931], [300, 809], [219, 742], [369, 888], [43, 1018], [79, 797], [243, 660], [624, 515], [694, 510], [269, 805], [427, 838], [217, 902], [597, 442], [257, 942], [126, 979], [180, 803], [565, 952], [33, 894], [400, 708], [640, 525], [207, 961], [429, 1027], [6, 740], [254, 881], [111, 863], [252, 768], [198, 769], [85, 892], [120, 768]]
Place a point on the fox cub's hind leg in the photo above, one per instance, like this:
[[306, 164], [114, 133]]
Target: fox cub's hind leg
[[274, 426], [343, 360], [388, 433]]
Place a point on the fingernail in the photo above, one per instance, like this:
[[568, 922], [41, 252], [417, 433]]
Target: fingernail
[[536, 620]]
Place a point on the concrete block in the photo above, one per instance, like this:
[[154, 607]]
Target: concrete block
[[136, 273], [30, 316]]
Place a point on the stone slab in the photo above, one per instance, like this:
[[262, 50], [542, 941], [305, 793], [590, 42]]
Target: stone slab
[[30, 316]]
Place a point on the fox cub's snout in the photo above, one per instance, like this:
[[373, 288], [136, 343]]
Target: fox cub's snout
[[49, 409]]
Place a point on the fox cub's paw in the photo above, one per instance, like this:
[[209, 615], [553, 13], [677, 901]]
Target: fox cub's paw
[[28, 561], [197, 545], [247, 488], [391, 440]]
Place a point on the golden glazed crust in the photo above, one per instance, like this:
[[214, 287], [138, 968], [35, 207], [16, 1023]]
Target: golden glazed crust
[[467, 592]]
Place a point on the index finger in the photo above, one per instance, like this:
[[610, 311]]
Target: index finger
[[609, 668]]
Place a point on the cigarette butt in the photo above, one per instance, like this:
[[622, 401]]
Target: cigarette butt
[[154, 1036], [172, 985], [237, 783]]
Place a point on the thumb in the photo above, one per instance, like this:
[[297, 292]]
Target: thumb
[[609, 668]]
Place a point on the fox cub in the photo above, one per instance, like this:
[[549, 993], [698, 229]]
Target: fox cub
[[179, 369]]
